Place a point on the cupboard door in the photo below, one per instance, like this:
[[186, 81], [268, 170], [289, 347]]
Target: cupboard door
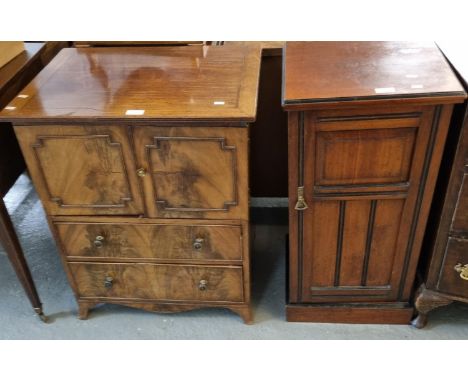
[[193, 172], [363, 173], [82, 170]]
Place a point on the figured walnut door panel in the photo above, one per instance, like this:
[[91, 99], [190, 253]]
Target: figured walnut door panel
[[82, 170], [362, 174], [194, 172]]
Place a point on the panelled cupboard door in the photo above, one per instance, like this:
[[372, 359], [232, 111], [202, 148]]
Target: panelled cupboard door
[[193, 172], [362, 172], [82, 170]]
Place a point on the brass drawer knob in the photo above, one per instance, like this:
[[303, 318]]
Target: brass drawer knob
[[108, 282], [141, 172], [463, 270], [198, 243], [203, 285], [98, 241]]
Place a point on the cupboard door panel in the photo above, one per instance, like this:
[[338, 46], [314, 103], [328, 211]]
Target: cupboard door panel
[[343, 157], [385, 230], [194, 172], [82, 170], [361, 185]]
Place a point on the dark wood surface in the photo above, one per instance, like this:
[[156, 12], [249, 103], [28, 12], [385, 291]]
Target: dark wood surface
[[202, 83], [269, 133], [328, 74], [184, 162], [368, 175], [444, 265], [13, 77]]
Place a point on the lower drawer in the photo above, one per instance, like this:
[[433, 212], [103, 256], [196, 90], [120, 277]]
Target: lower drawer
[[450, 280], [158, 282]]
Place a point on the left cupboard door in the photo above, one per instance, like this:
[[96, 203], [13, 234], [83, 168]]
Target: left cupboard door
[[82, 170]]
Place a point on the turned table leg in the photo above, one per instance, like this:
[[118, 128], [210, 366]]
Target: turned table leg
[[11, 244], [427, 300]]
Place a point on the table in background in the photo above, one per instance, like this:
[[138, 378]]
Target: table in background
[[13, 77]]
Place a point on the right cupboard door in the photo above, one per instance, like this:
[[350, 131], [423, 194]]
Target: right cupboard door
[[193, 172], [363, 174]]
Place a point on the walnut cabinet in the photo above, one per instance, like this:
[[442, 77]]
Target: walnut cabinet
[[140, 158]]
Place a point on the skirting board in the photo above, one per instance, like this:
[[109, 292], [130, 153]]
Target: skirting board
[[349, 314]]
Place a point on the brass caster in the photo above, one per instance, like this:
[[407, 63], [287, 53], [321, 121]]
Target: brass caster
[[43, 318]]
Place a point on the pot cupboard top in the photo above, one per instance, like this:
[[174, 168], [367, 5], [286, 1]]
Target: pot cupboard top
[[142, 84], [320, 74]]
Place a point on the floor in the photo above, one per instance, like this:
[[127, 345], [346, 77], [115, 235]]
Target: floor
[[17, 320]]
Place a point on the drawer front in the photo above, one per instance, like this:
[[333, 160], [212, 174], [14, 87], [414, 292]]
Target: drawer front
[[152, 241], [456, 256], [158, 282]]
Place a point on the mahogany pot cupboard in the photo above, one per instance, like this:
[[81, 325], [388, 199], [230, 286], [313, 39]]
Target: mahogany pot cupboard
[[140, 158], [445, 252], [14, 75], [367, 127]]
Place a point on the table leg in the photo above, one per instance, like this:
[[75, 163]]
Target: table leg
[[11, 244]]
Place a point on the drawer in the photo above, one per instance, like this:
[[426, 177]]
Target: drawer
[[460, 220], [151, 241], [450, 280], [158, 282]]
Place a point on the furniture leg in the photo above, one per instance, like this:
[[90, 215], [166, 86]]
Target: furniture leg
[[425, 301]]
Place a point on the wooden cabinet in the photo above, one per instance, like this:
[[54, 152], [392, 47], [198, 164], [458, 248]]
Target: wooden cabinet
[[444, 266], [365, 144], [140, 157]]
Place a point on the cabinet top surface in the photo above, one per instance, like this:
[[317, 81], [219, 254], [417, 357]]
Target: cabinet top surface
[[356, 72], [142, 83]]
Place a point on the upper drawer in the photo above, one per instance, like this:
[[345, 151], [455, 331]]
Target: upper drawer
[[460, 221], [80, 170], [151, 241], [453, 278]]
